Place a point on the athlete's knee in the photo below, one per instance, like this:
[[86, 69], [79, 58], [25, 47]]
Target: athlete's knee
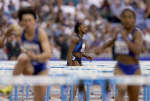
[[23, 58]]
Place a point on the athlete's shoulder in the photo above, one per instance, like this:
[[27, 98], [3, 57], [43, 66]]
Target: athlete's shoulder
[[138, 32], [41, 30], [42, 35]]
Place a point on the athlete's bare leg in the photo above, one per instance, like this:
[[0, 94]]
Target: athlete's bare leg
[[40, 91], [121, 88]]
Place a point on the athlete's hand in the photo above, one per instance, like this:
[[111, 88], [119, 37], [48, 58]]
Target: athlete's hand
[[89, 58], [32, 55], [116, 32], [125, 35], [78, 54], [97, 51]]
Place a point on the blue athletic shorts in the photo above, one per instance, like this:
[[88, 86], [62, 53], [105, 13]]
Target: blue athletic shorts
[[38, 67], [128, 69]]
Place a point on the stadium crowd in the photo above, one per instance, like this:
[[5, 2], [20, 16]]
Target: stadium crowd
[[58, 18]]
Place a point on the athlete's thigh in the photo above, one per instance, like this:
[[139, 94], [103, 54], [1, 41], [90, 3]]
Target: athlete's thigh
[[138, 72], [23, 65], [40, 91], [29, 69], [134, 90], [118, 72]]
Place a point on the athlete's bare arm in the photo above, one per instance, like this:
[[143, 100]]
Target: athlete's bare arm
[[43, 38], [86, 56], [108, 43], [136, 46], [85, 53]]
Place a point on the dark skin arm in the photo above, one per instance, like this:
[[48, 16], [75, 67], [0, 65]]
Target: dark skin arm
[[86, 56], [85, 53], [82, 54], [74, 42], [136, 46], [101, 48]]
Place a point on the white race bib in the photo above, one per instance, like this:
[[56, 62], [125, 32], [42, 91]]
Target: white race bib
[[31, 47], [121, 47]]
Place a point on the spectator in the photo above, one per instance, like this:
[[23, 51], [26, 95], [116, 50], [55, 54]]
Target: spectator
[[140, 20], [3, 55], [116, 8], [105, 9], [13, 48], [62, 42], [147, 11], [59, 16]]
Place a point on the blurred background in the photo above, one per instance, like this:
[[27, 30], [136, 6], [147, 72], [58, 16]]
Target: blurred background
[[58, 18]]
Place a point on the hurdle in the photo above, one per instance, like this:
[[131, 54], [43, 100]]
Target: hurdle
[[100, 67]]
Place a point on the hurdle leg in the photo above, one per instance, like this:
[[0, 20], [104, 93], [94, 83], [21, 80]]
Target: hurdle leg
[[16, 93], [63, 96], [27, 92], [48, 94], [66, 92], [22, 91], [11, 96], [114, 88], [148, 93], [71, 92], [103, 90], [80, 96], [145, 93], [62, 93], [88, 92]]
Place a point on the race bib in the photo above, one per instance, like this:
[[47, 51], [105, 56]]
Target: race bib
[[31, 47], [121, 47]]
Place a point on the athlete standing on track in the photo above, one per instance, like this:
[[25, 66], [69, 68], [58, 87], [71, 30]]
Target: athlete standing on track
[[128, 46], [35, 49], [77, 51]]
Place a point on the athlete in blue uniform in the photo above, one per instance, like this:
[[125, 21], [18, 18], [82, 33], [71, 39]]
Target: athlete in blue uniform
[[35, 49], [77, 51], [128, 45]]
